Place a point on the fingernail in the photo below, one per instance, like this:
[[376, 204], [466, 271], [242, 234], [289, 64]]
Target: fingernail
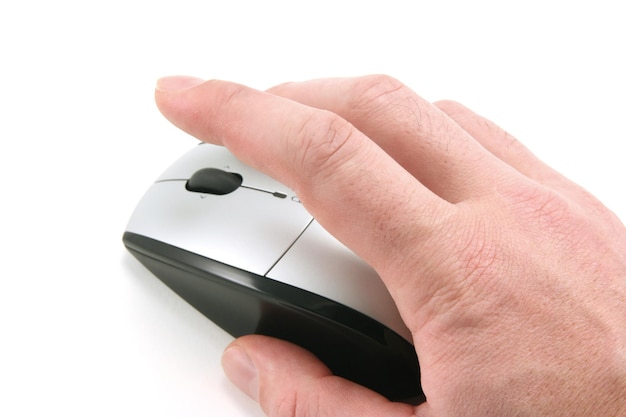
[[241, 371], [177, 83]]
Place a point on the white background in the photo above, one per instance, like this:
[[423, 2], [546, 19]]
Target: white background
[[86, 330]]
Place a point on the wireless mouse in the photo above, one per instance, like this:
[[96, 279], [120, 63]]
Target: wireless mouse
[[241, 248]]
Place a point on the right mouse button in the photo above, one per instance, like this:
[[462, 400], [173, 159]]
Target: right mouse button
[[319, 263]]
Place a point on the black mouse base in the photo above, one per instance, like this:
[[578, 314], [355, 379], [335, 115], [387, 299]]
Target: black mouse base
[[350, 343]]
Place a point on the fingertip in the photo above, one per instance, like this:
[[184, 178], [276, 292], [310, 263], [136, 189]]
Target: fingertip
[[180, 99], [266, 352], [257, 363], [241, 371], [282, 376]]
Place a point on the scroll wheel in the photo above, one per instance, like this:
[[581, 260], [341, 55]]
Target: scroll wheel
[[214, 181]]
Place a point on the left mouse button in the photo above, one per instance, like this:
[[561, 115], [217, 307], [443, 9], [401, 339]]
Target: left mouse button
[[214, 181]]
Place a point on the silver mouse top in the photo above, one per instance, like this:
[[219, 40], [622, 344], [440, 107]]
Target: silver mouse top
[[242, 249], [260, 227]]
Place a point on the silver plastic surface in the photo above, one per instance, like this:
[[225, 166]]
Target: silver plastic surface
[[321, 264], [206, 155], [247, 229], [251, 230]]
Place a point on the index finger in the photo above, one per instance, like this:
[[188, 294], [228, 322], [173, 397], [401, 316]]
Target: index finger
[[349, 184]]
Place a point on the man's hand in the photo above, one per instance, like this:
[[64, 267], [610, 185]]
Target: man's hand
[[511, 278]]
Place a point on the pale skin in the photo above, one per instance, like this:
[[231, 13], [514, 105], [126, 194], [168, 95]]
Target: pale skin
[[511, 278]]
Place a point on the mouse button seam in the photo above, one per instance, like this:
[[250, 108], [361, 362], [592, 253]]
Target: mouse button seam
[[310, 222], [172, 180]]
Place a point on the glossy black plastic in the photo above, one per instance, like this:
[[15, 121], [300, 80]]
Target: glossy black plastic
[[214, 181], [350, 343]]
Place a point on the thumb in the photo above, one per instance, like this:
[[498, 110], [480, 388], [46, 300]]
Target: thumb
[[289, 381]]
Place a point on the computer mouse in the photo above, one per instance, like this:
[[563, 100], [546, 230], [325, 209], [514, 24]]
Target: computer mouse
[[241, 248]]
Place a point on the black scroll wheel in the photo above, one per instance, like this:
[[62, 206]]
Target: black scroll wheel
[[214, 181]]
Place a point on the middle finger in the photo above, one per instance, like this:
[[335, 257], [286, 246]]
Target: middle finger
[[417, 134]]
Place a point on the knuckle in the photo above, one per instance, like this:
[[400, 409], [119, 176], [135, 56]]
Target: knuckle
[[540, 207], [391, 107], [227, 94], [379, 93], [287, 406], [374, 86], [302, 402], [545, 215], [324, 141]]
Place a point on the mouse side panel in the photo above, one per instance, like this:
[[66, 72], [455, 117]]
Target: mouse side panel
[[351, 344]]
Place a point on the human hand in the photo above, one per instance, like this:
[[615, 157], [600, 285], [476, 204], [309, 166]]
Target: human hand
[[511, 278]]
